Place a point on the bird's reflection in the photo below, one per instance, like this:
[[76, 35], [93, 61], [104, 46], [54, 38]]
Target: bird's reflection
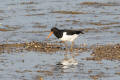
[[65, 65]]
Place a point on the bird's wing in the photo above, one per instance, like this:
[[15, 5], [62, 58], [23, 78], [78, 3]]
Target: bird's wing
[[71, 32]]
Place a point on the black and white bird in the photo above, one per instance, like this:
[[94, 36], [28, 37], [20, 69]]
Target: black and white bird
[[65, 35]]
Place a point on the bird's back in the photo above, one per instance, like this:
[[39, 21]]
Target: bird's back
[[72, 32]]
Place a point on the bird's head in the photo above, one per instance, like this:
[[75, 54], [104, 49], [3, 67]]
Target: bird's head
[[52, 31]]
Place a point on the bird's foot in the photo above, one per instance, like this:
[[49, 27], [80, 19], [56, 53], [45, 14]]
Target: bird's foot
[[71, 50], [66, 56], [62, 42]]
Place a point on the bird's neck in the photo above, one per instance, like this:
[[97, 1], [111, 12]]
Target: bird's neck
[[58, 33]]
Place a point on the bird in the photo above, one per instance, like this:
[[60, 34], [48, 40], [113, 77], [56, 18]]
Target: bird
[[65, 35]]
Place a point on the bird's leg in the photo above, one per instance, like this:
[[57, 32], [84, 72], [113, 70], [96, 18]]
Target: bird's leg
[[71, 49], [66, 50]]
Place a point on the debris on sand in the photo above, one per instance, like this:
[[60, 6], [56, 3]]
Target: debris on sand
[[99, 52], [37, 46], [69, 12], [99, 4], [109, 52], [30, 46], [43, 46]]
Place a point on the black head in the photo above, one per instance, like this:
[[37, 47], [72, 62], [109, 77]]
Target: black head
[[57, 32], [54, 29]]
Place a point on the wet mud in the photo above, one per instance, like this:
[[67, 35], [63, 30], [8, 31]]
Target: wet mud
[[108, 52], [38, 47]]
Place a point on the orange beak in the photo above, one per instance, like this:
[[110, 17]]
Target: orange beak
[[50, 34]]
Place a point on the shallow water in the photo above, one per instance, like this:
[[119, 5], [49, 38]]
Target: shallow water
[[30, 65], [31, 20]]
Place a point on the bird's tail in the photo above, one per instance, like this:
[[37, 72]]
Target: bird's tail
[[80, 32]]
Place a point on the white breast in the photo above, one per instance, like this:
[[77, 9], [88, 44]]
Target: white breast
[[66, 37]]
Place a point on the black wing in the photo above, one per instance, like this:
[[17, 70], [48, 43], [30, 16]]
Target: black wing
[[72, 32]]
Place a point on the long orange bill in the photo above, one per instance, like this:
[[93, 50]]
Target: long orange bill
[[49, 35]]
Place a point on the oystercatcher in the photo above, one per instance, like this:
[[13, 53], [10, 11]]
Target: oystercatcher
[[66, 35]]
